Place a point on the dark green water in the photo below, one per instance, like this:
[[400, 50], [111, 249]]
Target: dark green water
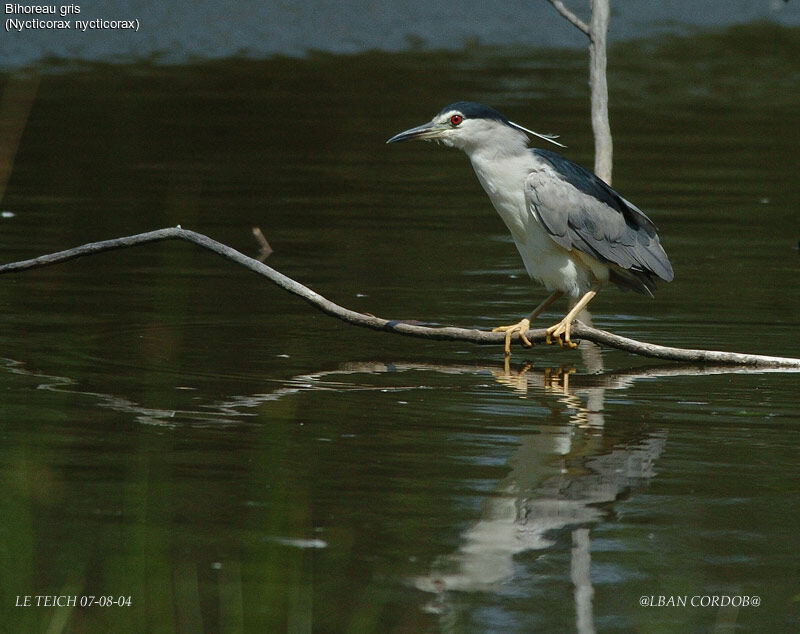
[[176, 431]]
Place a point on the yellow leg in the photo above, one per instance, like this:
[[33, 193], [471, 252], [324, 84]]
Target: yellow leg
[[553, 297], [563, 327], [524, 325]]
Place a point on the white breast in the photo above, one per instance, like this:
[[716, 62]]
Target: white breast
[[554, 267]]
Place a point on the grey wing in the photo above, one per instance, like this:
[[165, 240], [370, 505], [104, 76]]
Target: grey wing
[[581, 212]]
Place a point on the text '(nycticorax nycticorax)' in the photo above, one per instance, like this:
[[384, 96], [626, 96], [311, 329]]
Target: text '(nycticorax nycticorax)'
[[574, 232]]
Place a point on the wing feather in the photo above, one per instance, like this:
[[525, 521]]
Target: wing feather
[[582, 212]]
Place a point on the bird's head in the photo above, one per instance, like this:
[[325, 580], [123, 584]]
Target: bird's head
[[471, 126]]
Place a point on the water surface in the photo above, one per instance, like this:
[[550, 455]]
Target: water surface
[[178, 431]]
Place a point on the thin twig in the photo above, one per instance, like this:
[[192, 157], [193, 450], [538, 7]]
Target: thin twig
[[449, 333], [265, 249], [569, 15]]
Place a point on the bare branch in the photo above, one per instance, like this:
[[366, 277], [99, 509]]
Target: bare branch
[[569, 15], [449, 333]]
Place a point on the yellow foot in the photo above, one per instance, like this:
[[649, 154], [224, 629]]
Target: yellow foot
[[515, 329], [560, 332]]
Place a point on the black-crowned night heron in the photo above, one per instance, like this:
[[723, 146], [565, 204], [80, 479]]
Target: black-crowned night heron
[[574, 232]]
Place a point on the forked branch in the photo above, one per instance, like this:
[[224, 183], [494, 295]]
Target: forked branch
[[449, 333], [570, 16], [597, 31]]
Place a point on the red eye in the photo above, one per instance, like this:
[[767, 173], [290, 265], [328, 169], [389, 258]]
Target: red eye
[[456, 119]]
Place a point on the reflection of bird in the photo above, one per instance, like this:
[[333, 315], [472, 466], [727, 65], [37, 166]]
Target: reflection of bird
[[573, 231]]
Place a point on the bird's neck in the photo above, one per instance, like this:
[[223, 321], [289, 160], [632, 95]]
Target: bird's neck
[[502, 169], [501, 162], [495, 144], [503, 179]]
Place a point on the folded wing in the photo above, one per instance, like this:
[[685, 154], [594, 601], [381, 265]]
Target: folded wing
[[582, 212]]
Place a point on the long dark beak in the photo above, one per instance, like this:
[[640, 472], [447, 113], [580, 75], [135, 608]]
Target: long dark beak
[[423, 132]]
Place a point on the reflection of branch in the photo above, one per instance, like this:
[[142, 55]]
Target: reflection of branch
[[543, 377], [524, 381], [211, 416], [451, 333]]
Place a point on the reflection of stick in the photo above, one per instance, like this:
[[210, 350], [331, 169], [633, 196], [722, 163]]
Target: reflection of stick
[[15, 106], [580, 331]]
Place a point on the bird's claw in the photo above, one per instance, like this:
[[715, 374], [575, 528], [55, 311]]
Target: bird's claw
[[520, 328], [560, 332]]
